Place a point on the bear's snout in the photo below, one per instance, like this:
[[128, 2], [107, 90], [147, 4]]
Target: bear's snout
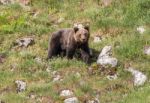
[[83, 39]]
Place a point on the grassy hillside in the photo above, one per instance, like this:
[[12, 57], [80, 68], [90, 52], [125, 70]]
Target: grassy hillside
[[116, 22]]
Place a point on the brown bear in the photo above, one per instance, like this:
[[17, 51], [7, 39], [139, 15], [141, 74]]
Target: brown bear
[[67, 41]]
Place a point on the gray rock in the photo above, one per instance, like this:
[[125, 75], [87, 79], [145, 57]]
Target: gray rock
[[105, 58], [106, 51], [60, 20], [105, 61], [147, 50], [138, 77], [77, 75], [140, 29], [38, 60], [93, 101], [66, 93], [57, 78], [48, 69], [24, 42], [21, 2], [112, 77], [71, 100], [21, 85], [97, 39], [4, 2]]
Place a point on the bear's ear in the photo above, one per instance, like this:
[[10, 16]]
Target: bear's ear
[[86, 27], [76, 29]]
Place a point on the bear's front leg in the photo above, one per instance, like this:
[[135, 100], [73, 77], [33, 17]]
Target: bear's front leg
[[85, 53], [70, 52]]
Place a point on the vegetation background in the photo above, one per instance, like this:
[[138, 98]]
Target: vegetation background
[[116, 21]]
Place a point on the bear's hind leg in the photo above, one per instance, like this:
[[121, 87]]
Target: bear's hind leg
[[53, 51]]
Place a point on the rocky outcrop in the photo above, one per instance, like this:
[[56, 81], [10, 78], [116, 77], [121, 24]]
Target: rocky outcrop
[[105, 58]]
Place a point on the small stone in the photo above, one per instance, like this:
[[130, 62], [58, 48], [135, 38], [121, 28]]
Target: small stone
[[66, 93], [48, 69], [57, 78], [32, 96], [54, 73], [35, 14], [13, 67], [24, 42], [139, 77], [60, 20], [141, 29], [97, 39], [93, 101], [78, 75], [38, 60], [71, 100], [147, 50], [112, 77], [4, 2], [21, 85]]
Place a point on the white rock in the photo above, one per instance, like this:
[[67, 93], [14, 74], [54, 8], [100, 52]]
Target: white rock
[[78, 75], [139, 77], [92, 101], [140, 29], [54, 73], [48, 69], [21, 2], [57, 78], [112, 77], [104, 61], [25, 42], [21, 85], [38, 60], [71, 100], [36, 14], [106, 51], [60, 20], [147, 50], [4, 2], [66, 93], [105, 58], [97, 39]]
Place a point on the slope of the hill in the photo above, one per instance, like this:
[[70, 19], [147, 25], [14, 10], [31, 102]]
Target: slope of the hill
[[115, 21]]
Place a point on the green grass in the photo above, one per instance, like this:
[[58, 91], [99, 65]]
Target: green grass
[[117, 23]]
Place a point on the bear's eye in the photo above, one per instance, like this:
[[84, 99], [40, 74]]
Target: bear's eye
[[80, 35], [85, 34]]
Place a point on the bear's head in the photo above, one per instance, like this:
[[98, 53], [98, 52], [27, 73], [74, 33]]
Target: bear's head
[[81, 34]]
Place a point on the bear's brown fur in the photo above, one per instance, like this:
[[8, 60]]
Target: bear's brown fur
[[66, 41]]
